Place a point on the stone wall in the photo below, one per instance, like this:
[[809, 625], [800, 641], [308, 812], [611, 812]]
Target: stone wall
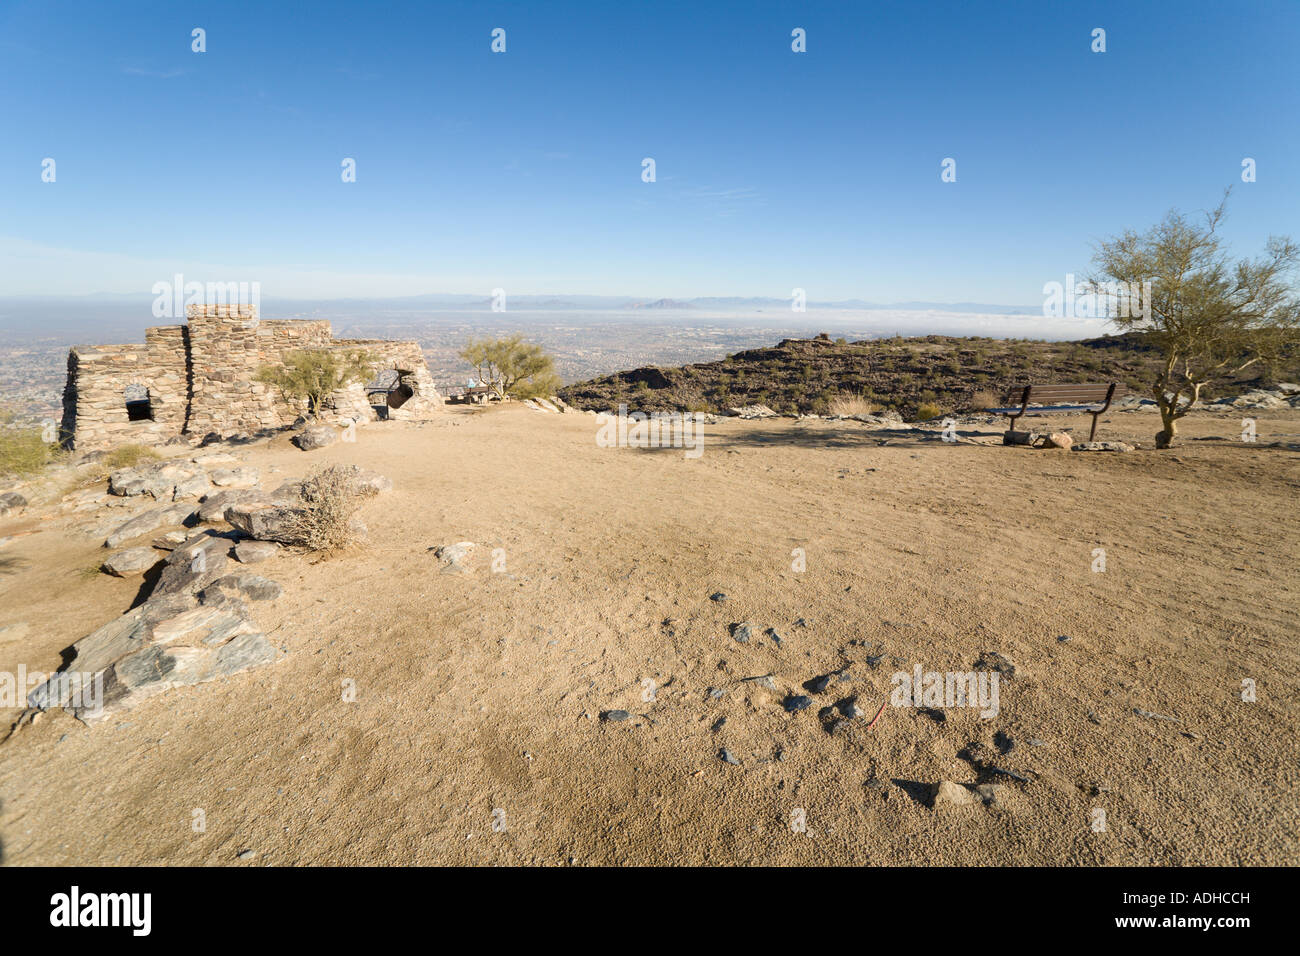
[[94, 399], [200, 380]]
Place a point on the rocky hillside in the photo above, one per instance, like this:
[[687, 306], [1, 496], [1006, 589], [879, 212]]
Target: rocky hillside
[[956, 374]]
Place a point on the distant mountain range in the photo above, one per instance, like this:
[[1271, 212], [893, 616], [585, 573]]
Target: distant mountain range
[[20, 311]]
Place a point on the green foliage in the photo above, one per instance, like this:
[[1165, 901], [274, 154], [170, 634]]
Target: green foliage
[[313, 375], [512, 366], [928, 410], [1209, 316]]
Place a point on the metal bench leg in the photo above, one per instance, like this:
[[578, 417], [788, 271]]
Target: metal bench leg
[[1092, 432]]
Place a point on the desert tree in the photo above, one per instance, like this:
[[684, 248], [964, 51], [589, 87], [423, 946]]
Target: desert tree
[[1210, 317], [313, 375], [511, 366]]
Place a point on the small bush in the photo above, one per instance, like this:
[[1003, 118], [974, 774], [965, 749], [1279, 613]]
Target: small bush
[[852, 403], [128, 456], [984, 399], [23, 451], [326, 520], [928, 410]]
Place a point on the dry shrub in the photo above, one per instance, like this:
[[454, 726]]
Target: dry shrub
[[325, 518], [852, 403], [984, 399], [128, 456], [24, 452], [927, 410]]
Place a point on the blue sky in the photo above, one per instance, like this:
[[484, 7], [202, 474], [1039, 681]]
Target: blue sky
[[523, 170]]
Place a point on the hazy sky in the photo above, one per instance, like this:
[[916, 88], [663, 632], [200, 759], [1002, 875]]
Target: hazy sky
[[523, 170]]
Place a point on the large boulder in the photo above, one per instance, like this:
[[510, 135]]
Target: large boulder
[[159, 645], [264, 522], [151, 520], [11, 501], [252, 587], [193, 565], [315, 436], [213, 507], [131, 561], [251, 552]]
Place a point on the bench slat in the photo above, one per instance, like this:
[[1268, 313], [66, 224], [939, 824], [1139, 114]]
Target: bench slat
[[1031, 410]]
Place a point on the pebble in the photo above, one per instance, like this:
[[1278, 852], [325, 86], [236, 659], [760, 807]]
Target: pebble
[[726, 756], [818, 684], [796, 702], [718, 596], [615, 715], [247, 854], [742, 632], [718, 724]]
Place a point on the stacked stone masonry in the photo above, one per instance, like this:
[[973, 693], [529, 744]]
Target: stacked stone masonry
[[201, 376]]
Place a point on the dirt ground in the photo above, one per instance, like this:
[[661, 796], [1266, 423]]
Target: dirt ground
[[476, 734]]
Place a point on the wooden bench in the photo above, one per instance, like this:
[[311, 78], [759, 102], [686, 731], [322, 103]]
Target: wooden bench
[[1094, 399]]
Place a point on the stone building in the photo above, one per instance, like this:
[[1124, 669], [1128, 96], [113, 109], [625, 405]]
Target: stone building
[[189, 381]]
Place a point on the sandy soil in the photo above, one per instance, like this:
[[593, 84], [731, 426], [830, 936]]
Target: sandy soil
[[482, 692]]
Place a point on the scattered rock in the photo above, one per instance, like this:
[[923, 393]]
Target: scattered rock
[[1102, 446], [149, 521], [1019, 438], [130, 561], [945, 793], [161, 480], [161, 644], [796, 702], [751, 411], [213, 507], [247, 854], [315, 436], [615, 716], [264, 522], [251, 552], [718, 596], [243, 477], [1148, 714], [170, 540], [199, 560], [254, 587], [742, 632], [455, 557], [726, 756], [777, 639], [1058, 440], [818, 685]]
